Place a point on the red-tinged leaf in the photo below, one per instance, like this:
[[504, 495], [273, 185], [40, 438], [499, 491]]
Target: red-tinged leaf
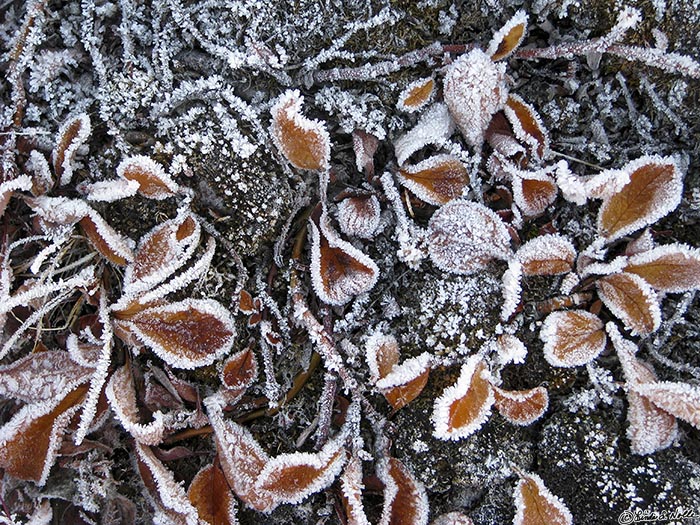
[[527, 126], [679, 399], [154, 183], [670, 268], [42, 376], [290, 478], [547, 255], [209, 493], [654, 189], [358, 216], [572, 338], [365, 146], [436, 180], [168, 495], [464, 237], [521, 407], [351, 487], [73, 134], [533, 192], [304, 142], [187, 334], [416, 95], [339, 271], [536, 505], [405, 499], [121, 394], [508, 38], [406, 381], [245, 303], [30, 441], [465, 406], [632, 300], [111, 245], [240, 370]]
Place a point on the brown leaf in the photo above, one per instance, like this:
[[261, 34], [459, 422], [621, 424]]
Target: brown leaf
[[572, 338], [536, 505], [304, 142], [671, 268], [209, 493], [533, 192], [406, 381], [405, 500], [679, 399], [245, 303], [631, 299], [400, 396], [106, 240], [547, 255], [508, 38], [240, 370], [351, 493], [154, 183], [416, 95], [466, 405], [654, 189], [383, 354], [436, 180], [527, 126], [521, 407], [73, 134], [358, 215]]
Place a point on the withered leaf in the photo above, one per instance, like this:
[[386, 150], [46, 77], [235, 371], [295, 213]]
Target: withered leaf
[[186, 334], [153, 181], [304, 142], [406, 381], [679, 399], [436, 180], [351, 492], [549, 254], [30, 440], [240, 370], [632, 300], [405, 499], [359, 215], [416, 95], [654, 189], [527, 126], [466, 405], [508, 38], [209, 493], [670, 268], [536, 505], [106, 240], [572, 338], [521, 407], [72, 134], [533, 192], [382, 352]]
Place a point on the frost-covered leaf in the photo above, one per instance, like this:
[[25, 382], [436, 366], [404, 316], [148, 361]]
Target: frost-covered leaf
[[72, 134], [358, 215], [452, 518], [42, 179], [351, 487], [549, 254], [240, 370], [121, 394], [365, 146], [406, 381], [166, 492], [382, 352], [436, 180], [508, 38], [187, 334], [533, 192], [110, 244], [536, 505], [679, 399], [521, 407], [304, 142], [527, 126], [153, 181], [464, 237], [30, 440], [109, 190], [7, 188], [290, 478], [474, 89], [654, 189], [632, 300], [405, 499], [511, 288], [510, 349], [339, 271], [161, 252], [670, 268], [465, 406], [434, 127], [416, 95], [41, 376], [572, 338], [210, 495]]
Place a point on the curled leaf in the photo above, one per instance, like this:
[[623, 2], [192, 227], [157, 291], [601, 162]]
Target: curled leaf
[[416, 95], [72, 134], [358, 215], [434, 127], [533, 192], [527, 126], [405, 499], [572, 338], [153, 182], [113, 246], [436, 180], [508, 38], [406, 381], [351, 487]]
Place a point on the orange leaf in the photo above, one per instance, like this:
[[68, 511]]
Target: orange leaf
[[240, 370], [209, 493], [508, 38], [527, 126], [405, 500], [406, 381], [400, 396], [351, 493], [106, 240], [29, 442], [382, 355], [654, 189], [187, 334], [547, 255], [536, 505], [304, 142], [436, 180], [465, 406], [521, 407], [533, 192], [671, 268], [572, 338], [631, 299], [71, 136], [154, 183], [416, 95]]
